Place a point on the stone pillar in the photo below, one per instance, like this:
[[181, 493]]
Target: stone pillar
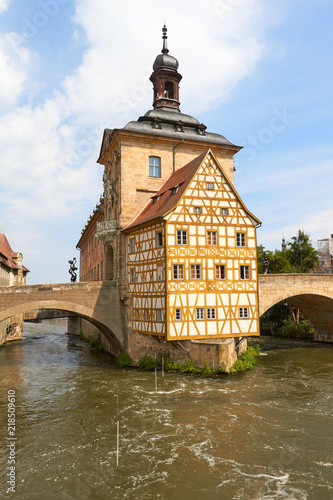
[[74, 325]]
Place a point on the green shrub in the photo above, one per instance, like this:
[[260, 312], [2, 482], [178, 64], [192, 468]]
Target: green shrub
[[148, 363], [301, 330], [246, 360], [124, 359]]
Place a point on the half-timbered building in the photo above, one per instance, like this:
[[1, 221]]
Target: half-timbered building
[[191, 258]]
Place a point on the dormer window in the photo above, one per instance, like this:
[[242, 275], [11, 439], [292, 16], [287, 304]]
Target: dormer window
[[168, 90], [179, 127], [155, 199], [156, 124], [174, 190], [201, 129]]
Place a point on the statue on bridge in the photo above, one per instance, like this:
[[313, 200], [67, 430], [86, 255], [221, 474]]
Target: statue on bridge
[[265, 262], [73, 269]]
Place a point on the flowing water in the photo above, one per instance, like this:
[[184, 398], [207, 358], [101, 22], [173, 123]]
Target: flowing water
[[263, 434]]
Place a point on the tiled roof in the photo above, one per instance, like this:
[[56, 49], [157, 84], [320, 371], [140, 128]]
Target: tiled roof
[[169, 194], [7, 255]]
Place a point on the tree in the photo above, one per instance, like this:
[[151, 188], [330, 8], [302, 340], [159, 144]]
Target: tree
[[301, 254]]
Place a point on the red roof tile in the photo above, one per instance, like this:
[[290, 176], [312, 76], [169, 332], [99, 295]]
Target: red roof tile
[[7, 255], [165, 198]]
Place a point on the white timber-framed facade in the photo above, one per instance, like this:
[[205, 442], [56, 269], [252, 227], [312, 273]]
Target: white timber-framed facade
[[192, 273]]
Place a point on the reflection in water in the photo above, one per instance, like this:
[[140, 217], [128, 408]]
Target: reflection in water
[[264, 434]]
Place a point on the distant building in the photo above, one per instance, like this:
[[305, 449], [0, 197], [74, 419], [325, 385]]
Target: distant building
[[325, 254], [12, 273], [91, 249]]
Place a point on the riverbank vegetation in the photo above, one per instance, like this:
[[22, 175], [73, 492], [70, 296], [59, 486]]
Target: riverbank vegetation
[[94, 342], [296, 256], [246, 361]]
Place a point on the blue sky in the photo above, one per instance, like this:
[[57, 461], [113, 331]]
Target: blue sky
[[257, 71]]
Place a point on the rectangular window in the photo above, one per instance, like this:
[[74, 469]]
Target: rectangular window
[[200, 313], [178, 272], [146, 314], [160, 273], [181, 237], [241, 239], [137, 315], [211, 313], [159, 315], [154, 166], [159, 239], [220, 272], [178, 314], [195, 271], [211, 238], [245, 273], [197, 210], [210, 185], [224, 211], [131, 249], [243, 312], [132, 276]]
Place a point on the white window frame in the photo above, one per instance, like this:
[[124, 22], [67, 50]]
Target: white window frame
[[181, 236], [243, 312], [245, 273], [200, 313], [176, 271], [154, 166], [211, 313], [241, 239], [211, 238], [159, 239], [218, 266], [210, 186], [196, 268]]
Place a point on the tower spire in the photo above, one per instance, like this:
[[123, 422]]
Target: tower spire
[[165, 49]]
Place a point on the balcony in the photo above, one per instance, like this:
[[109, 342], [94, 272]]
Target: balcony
[[105, 231]]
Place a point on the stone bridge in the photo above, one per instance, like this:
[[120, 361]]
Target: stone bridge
[[311, 293], [100, 304], [97, 302]]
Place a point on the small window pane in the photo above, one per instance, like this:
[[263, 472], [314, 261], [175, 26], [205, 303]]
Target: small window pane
[[197, 210], [211, 238], [131, 246], [210, 185], [181, 237], [159, 239], [220, 272], [243, 312], [224, 211], [200, 313], [195, 271], [211, 313], [245, 273], [132, 276], [178, 272], [159, 316], [178, 314], [154, 166], [241, 239]]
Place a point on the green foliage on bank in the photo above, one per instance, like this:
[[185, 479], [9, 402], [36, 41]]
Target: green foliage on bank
[[301, 330], [246, 361], [94, 342]]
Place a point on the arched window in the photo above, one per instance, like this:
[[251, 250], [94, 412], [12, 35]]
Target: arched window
[[154, 166], [168, 90]]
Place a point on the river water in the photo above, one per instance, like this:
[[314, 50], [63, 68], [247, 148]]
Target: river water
[[263, 434]]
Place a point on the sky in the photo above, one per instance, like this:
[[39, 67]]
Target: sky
[[258, 72]]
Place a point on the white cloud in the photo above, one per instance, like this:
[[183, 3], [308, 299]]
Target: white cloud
[[4, 5]]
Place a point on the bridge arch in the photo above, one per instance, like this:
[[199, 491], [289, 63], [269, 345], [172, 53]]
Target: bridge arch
[[96, 302], [311, 293]]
